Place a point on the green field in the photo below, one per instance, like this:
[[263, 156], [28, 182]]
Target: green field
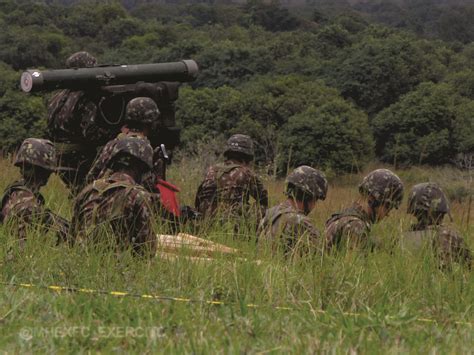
[[387, 301]]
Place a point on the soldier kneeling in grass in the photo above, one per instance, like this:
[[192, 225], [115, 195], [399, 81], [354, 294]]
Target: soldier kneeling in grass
[[428, 203], [286, 225], [227, 188], [117, 205], [22, 205], [381, 191]]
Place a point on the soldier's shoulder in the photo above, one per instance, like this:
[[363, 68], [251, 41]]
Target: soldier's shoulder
[[291, 216], [137, 193], [17, 190], [346, 220], [351, 225]]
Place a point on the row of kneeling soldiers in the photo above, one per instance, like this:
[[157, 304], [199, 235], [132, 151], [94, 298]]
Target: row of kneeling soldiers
[[118, 202]]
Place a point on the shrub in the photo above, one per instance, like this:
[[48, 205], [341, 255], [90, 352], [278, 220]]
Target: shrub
[[334, 136], [427, 126]]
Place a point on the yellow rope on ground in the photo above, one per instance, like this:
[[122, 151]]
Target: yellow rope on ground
[[189, 300]]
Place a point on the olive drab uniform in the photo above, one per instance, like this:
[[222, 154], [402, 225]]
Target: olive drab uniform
[[349, 227], [119, 203], [21, 207], [428, 203], [285, 227], [446, 242], [227, 189], [75, 128], [99, 168]]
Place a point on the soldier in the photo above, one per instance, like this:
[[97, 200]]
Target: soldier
[[428, 203], [380, 191], [117, 202], [227, 187], [22, 204], [74, 127], [287, 225], [141, 114]]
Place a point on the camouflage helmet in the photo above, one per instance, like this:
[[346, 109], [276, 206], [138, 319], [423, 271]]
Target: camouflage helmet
[[240, 143], [37, 152], [143, 110], [310, 181], [134, 146], [427, 197], [384, 186], [81, 60]]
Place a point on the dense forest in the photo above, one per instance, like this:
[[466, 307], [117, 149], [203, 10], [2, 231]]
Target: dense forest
[[334, 84]]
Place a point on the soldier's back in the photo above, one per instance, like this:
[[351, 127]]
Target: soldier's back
[[348, 228], [99, 167], [226, 186], [19, 201], [444, 240], [284, 227], [115, 202], [21, 209]]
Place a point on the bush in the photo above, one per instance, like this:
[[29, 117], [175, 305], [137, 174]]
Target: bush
[[427, 126], [21, 115], [334, 136], [260, 108]]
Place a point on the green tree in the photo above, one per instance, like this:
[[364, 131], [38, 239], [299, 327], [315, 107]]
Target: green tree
[[427, 126], [21, 115], [334, 136], [380, 68], [118, 30], [270, 16]]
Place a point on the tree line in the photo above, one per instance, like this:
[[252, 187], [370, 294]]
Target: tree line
[[321, 86]]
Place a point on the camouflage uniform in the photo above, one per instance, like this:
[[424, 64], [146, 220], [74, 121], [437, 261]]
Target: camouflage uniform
[[351, 227], [23, 206], [74, 127], [144, 111], [286, 226], [227, 187], [118, 204], [429, 204]]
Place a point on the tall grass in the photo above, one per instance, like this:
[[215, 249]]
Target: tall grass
[[388, 301]]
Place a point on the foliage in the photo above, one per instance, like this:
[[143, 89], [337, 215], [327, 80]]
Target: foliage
[[262, 107], [21, 116], [334, 136], [270, 16], [429, 125], [376, 71], [261, 63]]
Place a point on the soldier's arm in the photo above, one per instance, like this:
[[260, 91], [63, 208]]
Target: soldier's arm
[[57, 223], [453, 247], [206, 194], [260, 194], [23, 210], [145, 241]]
